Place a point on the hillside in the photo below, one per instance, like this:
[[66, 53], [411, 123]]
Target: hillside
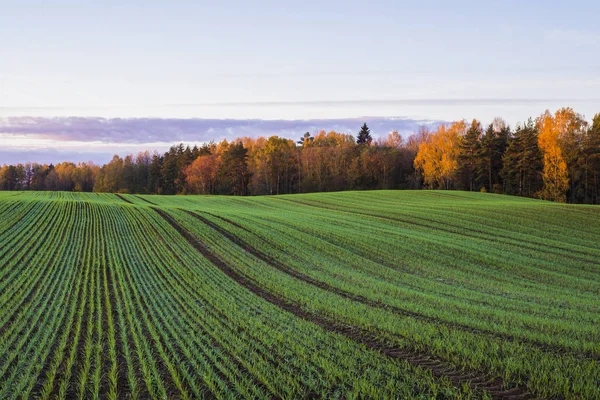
[[429, 294]]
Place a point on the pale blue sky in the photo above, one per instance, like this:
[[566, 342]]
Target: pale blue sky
[[303, 59]]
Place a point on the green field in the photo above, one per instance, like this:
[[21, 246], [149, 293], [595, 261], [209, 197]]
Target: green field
[[384, 294]]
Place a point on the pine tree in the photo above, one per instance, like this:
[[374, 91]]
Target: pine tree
[[468, 155], [170, 170], [522, 162], [490, 158], [233, 174], [306, 139], [591, 151], [364, 136], [155, 178]]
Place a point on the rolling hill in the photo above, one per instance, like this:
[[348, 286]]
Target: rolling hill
[[375, 294]]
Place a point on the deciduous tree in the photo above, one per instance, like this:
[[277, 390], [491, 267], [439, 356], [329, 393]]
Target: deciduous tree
[[437, 158], [555, 174]]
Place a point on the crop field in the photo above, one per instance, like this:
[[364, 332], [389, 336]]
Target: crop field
[[382, 294]]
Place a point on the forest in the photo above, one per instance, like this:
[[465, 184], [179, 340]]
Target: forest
[[555, 156]]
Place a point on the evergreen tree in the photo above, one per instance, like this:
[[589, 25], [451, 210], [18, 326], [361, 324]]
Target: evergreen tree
[[233, 175], [170, 171], [155, 180], [306, 139], [364, 136], [469, 148], [206, 149], [195, 152], [128, 175], [522, 162], [591, 151], [502, 138], [185, 158], [490, 157], [142, 171]]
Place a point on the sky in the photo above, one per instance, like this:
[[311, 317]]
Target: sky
[[152, 73]]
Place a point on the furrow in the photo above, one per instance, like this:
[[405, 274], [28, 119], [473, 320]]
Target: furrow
[[354, 333]]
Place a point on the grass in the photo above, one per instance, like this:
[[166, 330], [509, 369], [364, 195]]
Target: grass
[[424, 294]]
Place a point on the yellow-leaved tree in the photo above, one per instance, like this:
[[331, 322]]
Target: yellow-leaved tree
[[437, 157], [555, 174]]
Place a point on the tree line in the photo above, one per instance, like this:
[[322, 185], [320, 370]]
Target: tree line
[[555, 157]]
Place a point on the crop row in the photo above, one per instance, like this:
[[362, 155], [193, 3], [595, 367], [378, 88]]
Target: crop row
[[552, 355], [105, 299]]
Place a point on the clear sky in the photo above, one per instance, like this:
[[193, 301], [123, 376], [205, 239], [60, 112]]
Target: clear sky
[[436, 60]]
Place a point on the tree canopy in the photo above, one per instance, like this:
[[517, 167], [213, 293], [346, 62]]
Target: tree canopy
[[554, 157]]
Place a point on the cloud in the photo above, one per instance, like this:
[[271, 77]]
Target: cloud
[[170, 130], [51, 156]]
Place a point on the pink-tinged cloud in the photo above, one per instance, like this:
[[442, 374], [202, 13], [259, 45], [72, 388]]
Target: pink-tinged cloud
[[158, 130]]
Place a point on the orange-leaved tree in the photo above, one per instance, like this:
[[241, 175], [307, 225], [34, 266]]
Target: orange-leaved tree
[[200, 176], [555, 174], [437, 157]]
